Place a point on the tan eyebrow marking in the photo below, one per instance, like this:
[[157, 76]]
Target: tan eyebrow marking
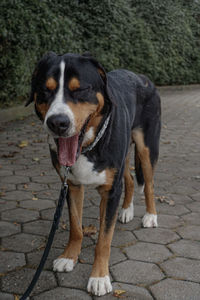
[[51, 84], [74, 84]]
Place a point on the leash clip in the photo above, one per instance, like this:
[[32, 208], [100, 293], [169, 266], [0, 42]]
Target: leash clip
[[66, 171]]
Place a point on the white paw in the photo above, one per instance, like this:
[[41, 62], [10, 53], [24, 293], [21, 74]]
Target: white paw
[[127, 214], [63, 265], [149, 220], [141, 189], [99, 286]]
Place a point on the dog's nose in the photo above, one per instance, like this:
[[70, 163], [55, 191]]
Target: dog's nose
[[58, 124]]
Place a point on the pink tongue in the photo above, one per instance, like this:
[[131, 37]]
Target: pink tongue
[[67, 150]]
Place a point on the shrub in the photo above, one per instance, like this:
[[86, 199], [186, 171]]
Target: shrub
[[155, 37]]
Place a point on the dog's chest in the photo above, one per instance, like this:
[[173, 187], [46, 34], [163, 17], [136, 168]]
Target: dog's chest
[[82, 172]]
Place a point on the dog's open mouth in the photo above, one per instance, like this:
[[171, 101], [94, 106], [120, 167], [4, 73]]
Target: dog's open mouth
[[67, 150]]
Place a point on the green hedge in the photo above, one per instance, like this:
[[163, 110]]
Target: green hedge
[[158, 38]]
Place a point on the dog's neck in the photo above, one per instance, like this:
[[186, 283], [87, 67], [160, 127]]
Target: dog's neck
[[98, 135], [95, 125]]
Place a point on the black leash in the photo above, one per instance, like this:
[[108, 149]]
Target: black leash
[[63, 196]]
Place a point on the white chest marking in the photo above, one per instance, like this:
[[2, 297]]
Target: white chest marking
[[83, 173], [88, 135]]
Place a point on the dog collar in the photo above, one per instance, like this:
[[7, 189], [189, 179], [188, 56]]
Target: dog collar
[[98, 137]]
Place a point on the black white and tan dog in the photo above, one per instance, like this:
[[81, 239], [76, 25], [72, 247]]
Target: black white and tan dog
[[94, 117]]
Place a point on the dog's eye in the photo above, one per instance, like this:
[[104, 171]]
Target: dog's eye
[[81, 94], [48, 91], [83, 89]]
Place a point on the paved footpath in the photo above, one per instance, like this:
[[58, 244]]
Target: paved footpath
[[161, 263]]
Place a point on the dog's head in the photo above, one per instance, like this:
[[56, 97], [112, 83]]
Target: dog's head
[[69, 92]]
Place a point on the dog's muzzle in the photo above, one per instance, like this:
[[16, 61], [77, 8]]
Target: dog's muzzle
[[58, 124]]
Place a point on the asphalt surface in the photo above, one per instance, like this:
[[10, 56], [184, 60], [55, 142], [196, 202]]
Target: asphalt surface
[[156, 263]]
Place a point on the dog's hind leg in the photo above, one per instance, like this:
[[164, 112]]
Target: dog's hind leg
[[127, 211], [66, 261], [144, 155]]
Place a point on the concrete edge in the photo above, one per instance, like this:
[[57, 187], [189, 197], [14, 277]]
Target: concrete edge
[[16, 112], [20, 111], [178, 87]]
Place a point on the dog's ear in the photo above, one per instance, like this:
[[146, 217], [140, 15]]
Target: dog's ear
[[99, 67], [43, 60], [102, 73], [100, 70], [103, 76]]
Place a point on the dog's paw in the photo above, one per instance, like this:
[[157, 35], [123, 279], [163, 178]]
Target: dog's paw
[[141, 189], [99, 286], [63, 265], [150, 220], [126, 214]]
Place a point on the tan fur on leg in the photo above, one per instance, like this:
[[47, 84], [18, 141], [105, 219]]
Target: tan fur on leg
[[127, 211], [99, 282], [150, 219], [67, 260]]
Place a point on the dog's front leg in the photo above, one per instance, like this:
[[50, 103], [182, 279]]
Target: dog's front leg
[[99, 282], [66, 261]]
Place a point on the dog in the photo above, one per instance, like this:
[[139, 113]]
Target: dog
[[94, 118]]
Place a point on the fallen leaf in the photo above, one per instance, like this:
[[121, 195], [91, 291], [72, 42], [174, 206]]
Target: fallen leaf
[[16, 297], [47, 193], [23, 144], [38, 141], [160, 198], [34, 198], [36, 159], [118, 293], [89, 230], [64, 226], [166, 142], [33, 242], [81, 261], [25, 186], [33, 124], [3, 249], [163, 199], [10, 154], [171, 202], [42, 246]]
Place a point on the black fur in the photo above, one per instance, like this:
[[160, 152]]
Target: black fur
[[132, 101], [137, 105]]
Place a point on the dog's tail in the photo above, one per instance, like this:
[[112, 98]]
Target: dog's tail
[[138, 169]]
